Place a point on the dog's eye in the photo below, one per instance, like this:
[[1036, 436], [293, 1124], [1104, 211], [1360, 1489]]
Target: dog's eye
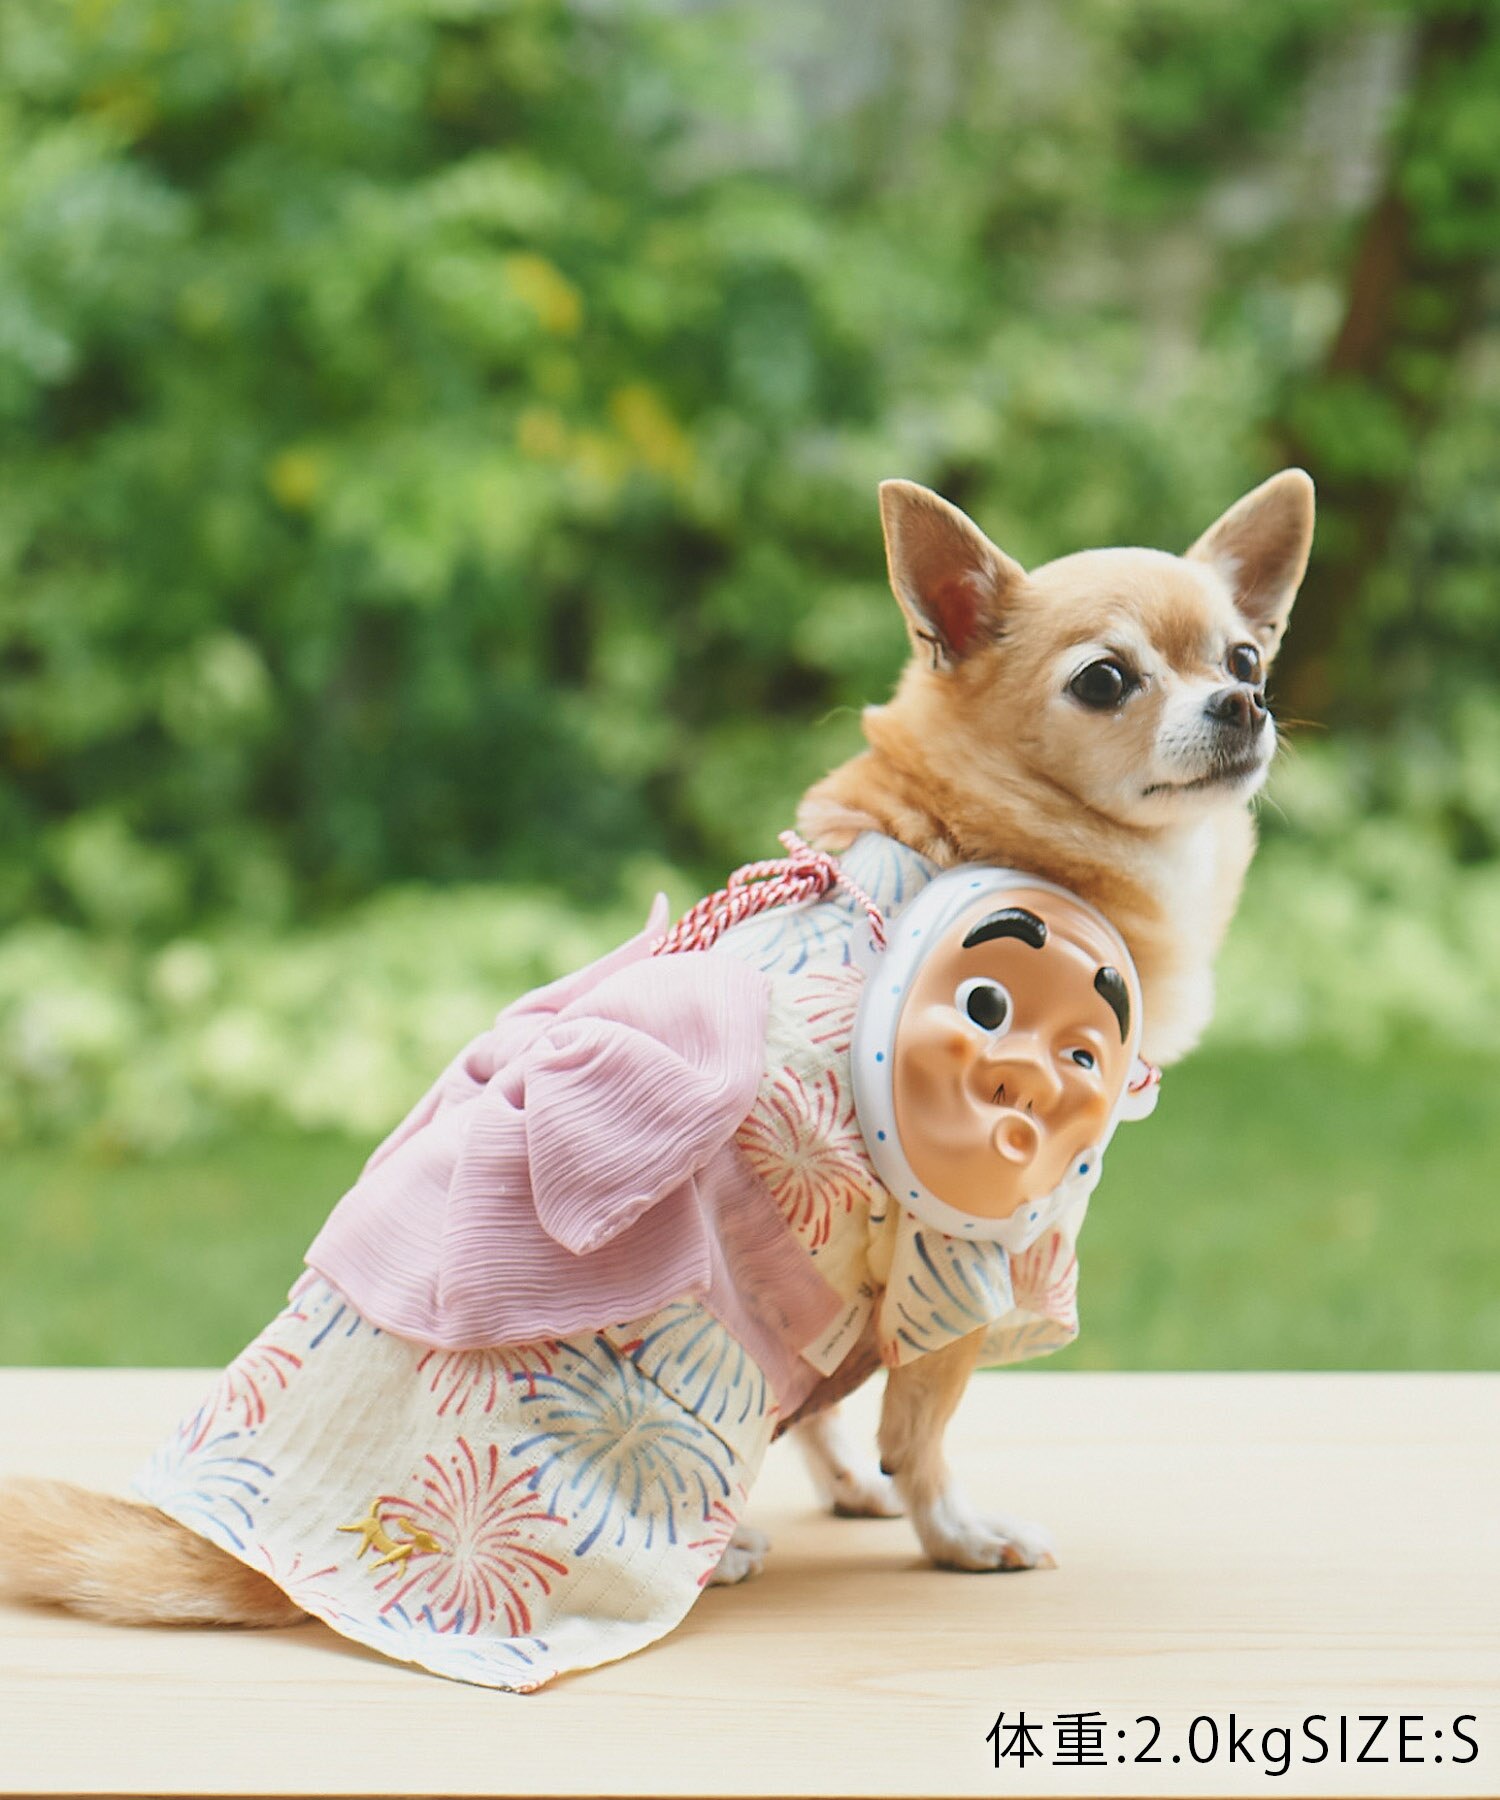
[[1084, 1058], [1103, 685], [985, 1003], [1243, 663]]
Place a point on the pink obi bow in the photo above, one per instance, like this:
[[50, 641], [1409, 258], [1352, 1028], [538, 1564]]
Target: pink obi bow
[[574, 1168]]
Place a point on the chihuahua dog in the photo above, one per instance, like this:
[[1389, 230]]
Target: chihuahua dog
[[1099, 722]]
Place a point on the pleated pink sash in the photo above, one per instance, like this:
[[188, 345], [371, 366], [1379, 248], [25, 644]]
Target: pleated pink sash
[[573, 1168]]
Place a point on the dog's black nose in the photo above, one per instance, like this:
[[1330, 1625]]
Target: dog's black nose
[[1241, 708]]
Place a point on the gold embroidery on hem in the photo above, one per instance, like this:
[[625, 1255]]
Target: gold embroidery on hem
[[374, 1536]]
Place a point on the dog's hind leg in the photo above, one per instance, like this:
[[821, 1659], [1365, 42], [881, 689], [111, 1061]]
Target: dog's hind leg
[[847, 1478], [744, 1555], [124, 1562]]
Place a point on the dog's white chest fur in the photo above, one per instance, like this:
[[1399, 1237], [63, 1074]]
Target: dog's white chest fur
[[1198, 881]]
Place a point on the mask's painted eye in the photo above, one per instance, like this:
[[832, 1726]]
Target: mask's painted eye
[[1084, 1058], [984, 1003], [1244, 664], [1103, 685]]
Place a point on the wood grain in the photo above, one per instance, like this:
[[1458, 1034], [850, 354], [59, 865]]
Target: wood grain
[[1271, 1546]]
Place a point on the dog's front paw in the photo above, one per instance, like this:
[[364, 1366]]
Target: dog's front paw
[[744, 1556], [957, 1538]]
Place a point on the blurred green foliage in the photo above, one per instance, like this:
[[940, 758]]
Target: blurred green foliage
[[438, 442], [1246, 1226], [1362, 933], [337, 1026], [439, 435]]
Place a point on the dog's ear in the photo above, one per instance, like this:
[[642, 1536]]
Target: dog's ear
[[1260, 548], [953, 584]]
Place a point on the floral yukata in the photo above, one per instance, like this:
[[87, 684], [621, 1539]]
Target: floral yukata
[[507, 1438]]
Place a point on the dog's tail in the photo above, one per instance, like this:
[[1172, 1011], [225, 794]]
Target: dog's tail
[[125, 1562]]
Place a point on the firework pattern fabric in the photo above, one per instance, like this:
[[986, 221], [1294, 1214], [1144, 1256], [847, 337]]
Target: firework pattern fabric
[[494, 1516], [507, 1514]]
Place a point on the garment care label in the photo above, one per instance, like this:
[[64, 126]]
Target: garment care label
[[826, 1352]]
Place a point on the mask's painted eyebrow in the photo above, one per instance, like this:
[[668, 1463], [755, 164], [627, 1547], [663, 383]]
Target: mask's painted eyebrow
[[1010, 921], [1110, 985]]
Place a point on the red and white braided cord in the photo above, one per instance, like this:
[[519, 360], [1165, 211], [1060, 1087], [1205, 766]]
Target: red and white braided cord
[[802, 874]]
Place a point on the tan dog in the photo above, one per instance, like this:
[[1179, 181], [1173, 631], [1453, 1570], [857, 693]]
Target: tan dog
[[1099, 722]]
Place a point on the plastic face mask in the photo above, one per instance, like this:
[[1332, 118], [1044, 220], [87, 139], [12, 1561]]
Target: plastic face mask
[[993, 1053]]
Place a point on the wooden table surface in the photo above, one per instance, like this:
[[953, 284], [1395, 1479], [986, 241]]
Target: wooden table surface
[[1270, 1547]]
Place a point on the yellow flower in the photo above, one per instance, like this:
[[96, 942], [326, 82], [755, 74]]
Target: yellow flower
[[295, 477], [543, 287], [642, 419]]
